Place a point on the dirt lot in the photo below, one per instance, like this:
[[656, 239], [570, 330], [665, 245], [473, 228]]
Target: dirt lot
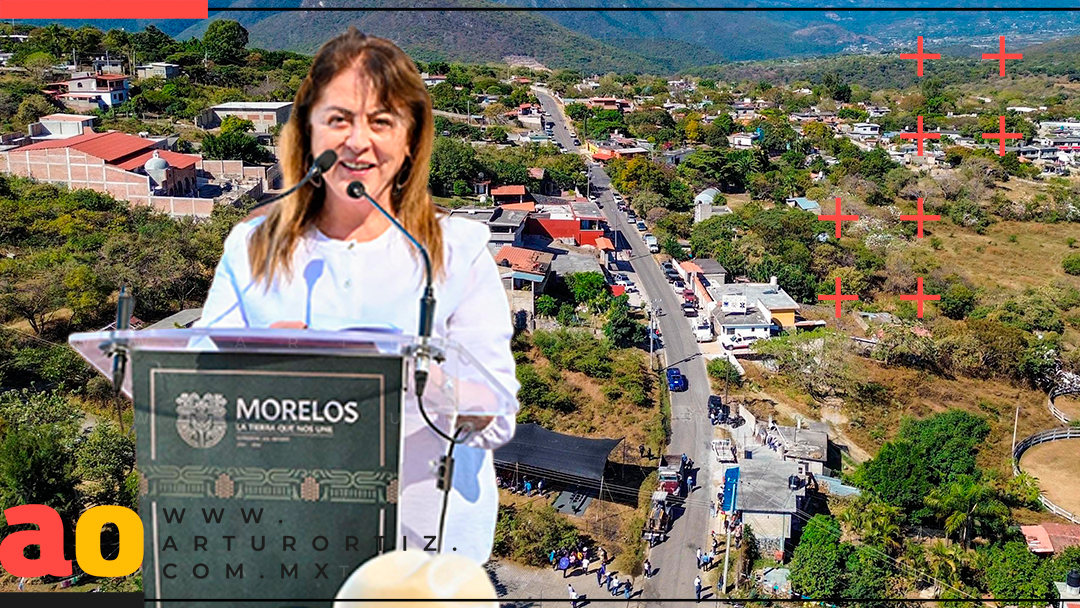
[[1055, 464]]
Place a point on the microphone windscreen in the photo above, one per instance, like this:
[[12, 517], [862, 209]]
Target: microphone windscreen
[[356, 189], [325, 161]]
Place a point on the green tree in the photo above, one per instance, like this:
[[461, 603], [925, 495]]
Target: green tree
[[36, 467], [34, 295], [819, 562], [957, 302], [526, 533], [966, 506], [620, 329], [103, 462], [899, 476], [1012, 571], [235, 124], [546, 305], [586, 287], [723, 371], [153, 44], [234, 145], [877, 523], [867, 575], [33, 108], [451, 160], [225, 42]]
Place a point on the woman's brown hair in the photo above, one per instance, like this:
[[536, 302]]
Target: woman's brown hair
[[395, 79]]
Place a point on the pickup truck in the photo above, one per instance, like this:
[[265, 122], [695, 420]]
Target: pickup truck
[[654, 245]]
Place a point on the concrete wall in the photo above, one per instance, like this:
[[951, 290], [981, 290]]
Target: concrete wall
[[75, 169], [521, 308], [771, 530]]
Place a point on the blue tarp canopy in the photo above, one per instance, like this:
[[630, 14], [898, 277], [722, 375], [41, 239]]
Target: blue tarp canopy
[[731, 481]]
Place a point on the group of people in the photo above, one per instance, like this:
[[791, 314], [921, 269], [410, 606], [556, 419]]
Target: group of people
[[524, 486], [568, 559], [705, 560]]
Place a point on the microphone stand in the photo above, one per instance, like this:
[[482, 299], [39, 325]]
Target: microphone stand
[[424, 352], [321, 165], [118, 349]]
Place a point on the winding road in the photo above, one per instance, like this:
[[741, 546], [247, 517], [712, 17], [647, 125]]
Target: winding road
[[691, 433]]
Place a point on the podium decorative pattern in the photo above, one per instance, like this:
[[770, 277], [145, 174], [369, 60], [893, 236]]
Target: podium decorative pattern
[[255, 483]]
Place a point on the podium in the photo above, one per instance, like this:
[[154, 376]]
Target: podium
[[270, 461]]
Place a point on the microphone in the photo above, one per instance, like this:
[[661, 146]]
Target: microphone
[[124, 305], [427, 302], [321, 165]]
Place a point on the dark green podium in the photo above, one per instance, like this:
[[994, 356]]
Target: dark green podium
[[270, 460]]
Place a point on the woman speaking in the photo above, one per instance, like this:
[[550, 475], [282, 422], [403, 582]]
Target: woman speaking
[[325, 260]]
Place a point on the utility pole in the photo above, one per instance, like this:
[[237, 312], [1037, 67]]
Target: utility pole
[[1016, 419]]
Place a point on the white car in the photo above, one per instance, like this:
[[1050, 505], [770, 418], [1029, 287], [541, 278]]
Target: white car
[[733, 342]]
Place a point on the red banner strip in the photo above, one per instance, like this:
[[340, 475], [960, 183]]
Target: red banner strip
[[104, 9]]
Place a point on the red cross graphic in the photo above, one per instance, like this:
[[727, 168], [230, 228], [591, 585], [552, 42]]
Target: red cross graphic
[[921, 217], [920, 136], [920, 298], [1001, 55], [837, 217], [920, 56], [1001, 136], [838, 297]]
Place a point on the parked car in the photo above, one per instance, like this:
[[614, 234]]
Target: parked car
[[677, 383], [630, 217], [733, 342], [642, 227], [678, 286], [689, 309], [577, 142], [667, 266], [672, 372]]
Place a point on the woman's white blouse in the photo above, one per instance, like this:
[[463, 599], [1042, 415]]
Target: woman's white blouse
[[341, 284]]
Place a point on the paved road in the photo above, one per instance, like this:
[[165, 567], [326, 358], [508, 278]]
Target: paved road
[[690, 429]]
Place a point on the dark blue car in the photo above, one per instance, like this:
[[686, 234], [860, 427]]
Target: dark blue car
[[672, 372], [676, 383]]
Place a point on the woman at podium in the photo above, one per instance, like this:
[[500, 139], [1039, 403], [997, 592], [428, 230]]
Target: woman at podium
[[326, 260]]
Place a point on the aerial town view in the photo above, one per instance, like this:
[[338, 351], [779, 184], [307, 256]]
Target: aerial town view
[[795, 296]]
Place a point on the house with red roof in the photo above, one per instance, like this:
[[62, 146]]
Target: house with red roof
[[140, 171], [524, 273], [577, 222], [508, 194]]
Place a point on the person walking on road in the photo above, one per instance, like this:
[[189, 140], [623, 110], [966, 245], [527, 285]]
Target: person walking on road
[[613, 584], [629, 589], [697, 587], [699, 558], [600, 573], [648, 569], [573, 595], [585, 564]]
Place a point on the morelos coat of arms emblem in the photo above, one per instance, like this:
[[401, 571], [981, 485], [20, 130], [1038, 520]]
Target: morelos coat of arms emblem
[[200, 421]]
